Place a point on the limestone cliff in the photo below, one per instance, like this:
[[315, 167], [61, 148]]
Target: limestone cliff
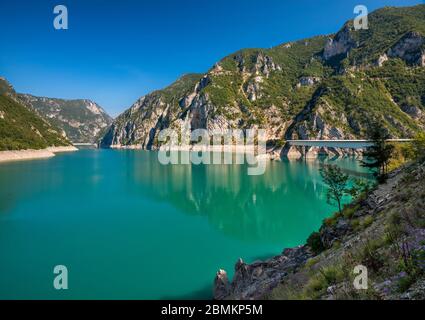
[[326, 87]]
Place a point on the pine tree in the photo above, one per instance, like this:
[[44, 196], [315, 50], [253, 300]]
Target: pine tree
[[378, 156]]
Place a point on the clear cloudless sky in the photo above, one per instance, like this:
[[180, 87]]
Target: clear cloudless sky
[[116, 51]]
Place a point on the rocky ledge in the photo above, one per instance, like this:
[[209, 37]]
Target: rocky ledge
[[253, 281]]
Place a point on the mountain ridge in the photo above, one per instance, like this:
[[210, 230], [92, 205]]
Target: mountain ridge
[[76, 120], [81, 119], [319, 77]]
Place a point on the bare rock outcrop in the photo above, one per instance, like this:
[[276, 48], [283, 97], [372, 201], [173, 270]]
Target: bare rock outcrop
[[410, 48], [381, 60], [308, 81], [340, 44], [252, 281]]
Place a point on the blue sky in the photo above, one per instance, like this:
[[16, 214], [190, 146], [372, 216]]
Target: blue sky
[[116, 51]]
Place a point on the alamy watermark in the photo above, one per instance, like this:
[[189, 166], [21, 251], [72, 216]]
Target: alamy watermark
[[361, 280], [60, 22], [60, 281], [361, 22], [201, 146]]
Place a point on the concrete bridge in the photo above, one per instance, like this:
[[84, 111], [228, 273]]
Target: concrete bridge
[[345, 144]]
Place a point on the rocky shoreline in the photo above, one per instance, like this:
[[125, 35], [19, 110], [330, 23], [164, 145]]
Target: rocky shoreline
[[383, 230], [253, 281], [20, 155], [273, 153]]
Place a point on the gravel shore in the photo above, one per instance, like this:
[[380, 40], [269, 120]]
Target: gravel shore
[[17, 155]]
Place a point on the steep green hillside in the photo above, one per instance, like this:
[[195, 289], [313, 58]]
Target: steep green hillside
[[21, 127], [326, 87], [82, 120], [345, 105], [260, 79], [388, 26]]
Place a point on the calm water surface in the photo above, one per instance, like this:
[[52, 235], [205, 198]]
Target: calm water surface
[[127, 227]]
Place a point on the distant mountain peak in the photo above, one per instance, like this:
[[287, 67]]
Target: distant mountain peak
[[81, 119]]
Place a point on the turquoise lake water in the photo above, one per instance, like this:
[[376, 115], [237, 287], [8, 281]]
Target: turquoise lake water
[[127, 227]]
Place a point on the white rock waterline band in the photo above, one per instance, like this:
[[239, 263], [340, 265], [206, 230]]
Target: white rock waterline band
[[29, 154]]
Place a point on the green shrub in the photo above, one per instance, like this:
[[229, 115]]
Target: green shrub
[[370, 255], [394, 229], [332, 275], [311, 262], [367, 221], [416, 148], [336, 245], [349, 212], [325, 278], [405, 283], [315, 287], [315, 243], [355, 224]]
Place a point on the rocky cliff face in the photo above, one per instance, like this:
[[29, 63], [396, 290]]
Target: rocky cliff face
[[139, 126], [318, 88], [81, 120], [339, 45], [5, 87], [411, 48]]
